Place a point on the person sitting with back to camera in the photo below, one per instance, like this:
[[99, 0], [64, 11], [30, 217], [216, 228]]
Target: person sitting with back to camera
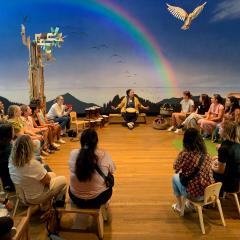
[[226, 166], [6, 136], [130, 106], [193, 164], [7, 230], [88, 188], [60, 113], [38, 185]]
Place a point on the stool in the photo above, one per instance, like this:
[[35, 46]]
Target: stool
[[100, 214]]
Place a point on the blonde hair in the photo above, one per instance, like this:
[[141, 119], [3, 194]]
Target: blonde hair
[[22, 151], [12, 110], [24, 108], [231, 131]]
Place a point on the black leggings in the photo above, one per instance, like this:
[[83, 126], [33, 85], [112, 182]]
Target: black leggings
[[96, 202], [129, 117]]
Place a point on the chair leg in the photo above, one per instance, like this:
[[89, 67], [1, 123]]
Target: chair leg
[[183, 201], [104, 211], [200, 215], [100, 225], [15, 208], [221, 212], [237, 202], [224, 195]]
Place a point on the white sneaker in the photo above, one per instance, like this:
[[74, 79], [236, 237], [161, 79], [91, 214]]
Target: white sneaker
[[60, 141], [170, 129], [178, 131], [56, 145], [130, 126]]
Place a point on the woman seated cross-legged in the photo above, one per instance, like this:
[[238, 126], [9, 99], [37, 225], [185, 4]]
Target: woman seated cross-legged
[[130, 106], [87, 187], [194, 165], [38, 186]]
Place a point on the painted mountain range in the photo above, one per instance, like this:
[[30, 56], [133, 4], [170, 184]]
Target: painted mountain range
[[80, 106]]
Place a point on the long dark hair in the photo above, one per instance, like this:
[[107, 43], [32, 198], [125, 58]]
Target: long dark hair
[[128, 91], [193, 141], [218, 98], [205, 100], [86, 160], [234, 104]]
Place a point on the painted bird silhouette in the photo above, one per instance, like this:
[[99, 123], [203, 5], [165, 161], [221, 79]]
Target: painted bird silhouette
[[183, 15]]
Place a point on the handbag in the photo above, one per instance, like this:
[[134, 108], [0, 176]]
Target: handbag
[[186, 179], [109, 179]]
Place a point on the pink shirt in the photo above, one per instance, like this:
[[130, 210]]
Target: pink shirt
[[214, 110], [90, 189]]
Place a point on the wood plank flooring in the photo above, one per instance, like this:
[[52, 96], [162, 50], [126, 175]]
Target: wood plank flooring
[[142, 197]]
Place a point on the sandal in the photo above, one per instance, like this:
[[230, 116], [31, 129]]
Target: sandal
[[177, 209]]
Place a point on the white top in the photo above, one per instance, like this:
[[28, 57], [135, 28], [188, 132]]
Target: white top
[[28, 123], [97, 185], [56, 110], [186, 105], [28, 177]]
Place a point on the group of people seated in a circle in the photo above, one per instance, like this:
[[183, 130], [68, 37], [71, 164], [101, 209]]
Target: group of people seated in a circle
[[207, 116], [27, 132], [201, 170], [38, 185]]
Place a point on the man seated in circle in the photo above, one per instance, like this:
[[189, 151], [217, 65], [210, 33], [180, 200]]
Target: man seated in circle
[[130, 106], [60, 113]]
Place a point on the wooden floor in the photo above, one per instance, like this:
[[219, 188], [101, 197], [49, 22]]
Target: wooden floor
[[142, 197]]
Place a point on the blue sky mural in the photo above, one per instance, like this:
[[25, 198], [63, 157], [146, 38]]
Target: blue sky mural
[[114, 45]]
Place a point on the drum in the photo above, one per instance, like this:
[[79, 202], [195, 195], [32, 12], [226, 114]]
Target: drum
[[97, 112], [105, 119], [92, 123], [87, 112], [131, 110], [92, 112]]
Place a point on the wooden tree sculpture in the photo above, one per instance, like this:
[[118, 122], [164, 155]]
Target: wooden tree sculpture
[[40, 50]]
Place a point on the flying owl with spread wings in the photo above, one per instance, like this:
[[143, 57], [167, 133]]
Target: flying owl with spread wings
[[184, 16]]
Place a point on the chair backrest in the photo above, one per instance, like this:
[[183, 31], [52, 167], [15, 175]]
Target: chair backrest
[[211, 192], [20, 194], [73, 117]]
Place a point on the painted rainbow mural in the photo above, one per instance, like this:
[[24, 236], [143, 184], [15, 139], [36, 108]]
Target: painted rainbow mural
[[139, 33]]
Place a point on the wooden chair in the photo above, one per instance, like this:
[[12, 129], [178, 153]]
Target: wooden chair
[[211, 196], [22, 223], [100, 214], [21, 199], [74, 121]]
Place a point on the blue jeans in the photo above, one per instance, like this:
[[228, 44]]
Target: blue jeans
[[63, 121], [178, 189]]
